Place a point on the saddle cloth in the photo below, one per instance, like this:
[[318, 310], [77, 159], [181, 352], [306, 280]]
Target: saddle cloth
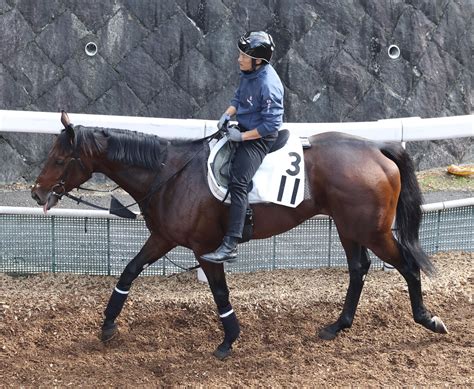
[[279, 179]]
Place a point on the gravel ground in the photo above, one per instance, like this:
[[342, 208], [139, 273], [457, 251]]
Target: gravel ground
[[169, 327]]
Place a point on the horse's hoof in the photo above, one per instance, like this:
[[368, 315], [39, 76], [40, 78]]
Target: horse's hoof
[[108, 333], [327, 334], [439, 326], [222, 352]]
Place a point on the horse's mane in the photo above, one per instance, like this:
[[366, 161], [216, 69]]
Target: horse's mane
[[129, 147]]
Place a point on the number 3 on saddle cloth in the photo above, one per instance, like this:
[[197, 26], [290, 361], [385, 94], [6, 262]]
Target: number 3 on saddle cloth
[[280, 178]]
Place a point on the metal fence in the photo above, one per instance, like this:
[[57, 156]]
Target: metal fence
[[85, 245]]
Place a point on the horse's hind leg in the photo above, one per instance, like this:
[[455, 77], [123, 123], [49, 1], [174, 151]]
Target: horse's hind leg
[[359, 264], [404, 261], [153, 249], [420, 314], [217, 282]]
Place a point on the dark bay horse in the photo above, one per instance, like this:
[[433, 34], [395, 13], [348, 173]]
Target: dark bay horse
[[361, 184]]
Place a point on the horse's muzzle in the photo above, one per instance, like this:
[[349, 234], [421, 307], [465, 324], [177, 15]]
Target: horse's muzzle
[[46, 199], [35, 195]]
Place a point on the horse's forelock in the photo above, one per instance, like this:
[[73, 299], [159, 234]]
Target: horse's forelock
[[62, 144]]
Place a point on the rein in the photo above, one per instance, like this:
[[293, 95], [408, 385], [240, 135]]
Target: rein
[[186, 269], [98, 190]]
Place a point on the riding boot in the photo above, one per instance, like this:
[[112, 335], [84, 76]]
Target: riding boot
[[226, 252]]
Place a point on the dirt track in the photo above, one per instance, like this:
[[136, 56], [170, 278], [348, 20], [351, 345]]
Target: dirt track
[[49, 325]]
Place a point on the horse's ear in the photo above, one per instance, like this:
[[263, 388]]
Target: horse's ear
[[65, 119], [68, 126], [70, 133]]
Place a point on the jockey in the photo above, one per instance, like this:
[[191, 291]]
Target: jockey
[[258, 106]]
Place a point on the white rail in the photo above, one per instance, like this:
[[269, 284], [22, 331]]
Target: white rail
[[106, 215], [401, 130]]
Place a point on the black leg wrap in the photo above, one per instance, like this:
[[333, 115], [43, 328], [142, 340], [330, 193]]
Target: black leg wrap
[[231, 332], [230, 324], [115, 305]]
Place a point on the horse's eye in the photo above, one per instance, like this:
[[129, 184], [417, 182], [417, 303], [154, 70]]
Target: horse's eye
[[60, 162]]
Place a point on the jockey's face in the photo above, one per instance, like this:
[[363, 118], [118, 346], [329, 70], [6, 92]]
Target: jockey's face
[[245, 62]]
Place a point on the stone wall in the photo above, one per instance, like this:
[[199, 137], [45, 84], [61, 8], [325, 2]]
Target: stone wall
[[177, 58]]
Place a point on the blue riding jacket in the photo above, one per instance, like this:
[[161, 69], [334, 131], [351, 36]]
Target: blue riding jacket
[[259, 100]]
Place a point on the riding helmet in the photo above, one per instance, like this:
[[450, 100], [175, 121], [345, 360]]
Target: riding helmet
[[257, 44]]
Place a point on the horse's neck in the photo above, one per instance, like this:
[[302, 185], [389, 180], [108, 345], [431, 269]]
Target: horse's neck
[[135, 181]]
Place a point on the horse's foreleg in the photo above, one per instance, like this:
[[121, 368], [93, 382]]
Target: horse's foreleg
[[217, 282], [153, 249], [359, 263]]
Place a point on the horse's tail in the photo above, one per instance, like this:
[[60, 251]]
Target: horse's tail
[[409, 212]]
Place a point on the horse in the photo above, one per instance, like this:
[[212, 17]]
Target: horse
[[361, 184]]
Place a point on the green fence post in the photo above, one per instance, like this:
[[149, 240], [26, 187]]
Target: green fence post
[[274, 253], [108, 247], [471, 247], [53, 246], [438, 222], [330, 242]]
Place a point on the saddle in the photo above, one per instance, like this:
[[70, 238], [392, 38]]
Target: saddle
[[280, 178]]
